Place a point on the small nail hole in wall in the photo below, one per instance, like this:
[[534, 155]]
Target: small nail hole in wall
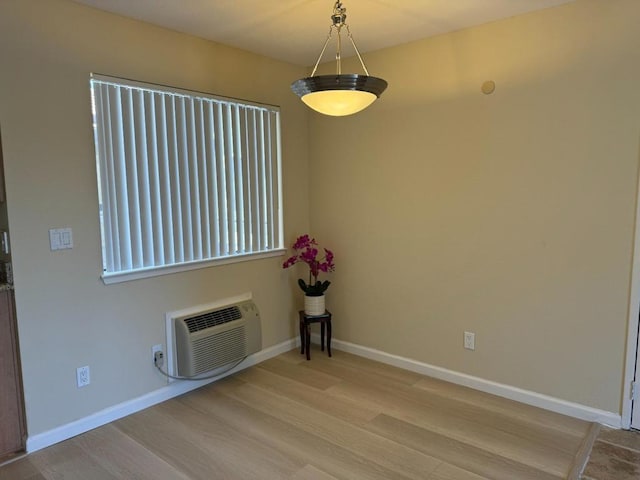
[[488, 87]]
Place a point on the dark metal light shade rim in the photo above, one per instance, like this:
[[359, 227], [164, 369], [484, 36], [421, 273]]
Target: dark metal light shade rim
[[351, 81]]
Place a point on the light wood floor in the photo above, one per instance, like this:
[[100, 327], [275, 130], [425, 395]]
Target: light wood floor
[[330, 418]]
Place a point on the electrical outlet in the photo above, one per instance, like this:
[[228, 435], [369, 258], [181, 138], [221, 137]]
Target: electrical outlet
[[157, 355], [158, 359], [83, 376], [469, 340]]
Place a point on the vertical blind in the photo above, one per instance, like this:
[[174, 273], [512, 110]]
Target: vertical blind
[[183, 177]]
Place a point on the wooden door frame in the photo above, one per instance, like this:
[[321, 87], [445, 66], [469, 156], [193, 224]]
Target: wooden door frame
[[13, 332], [632, 336], [631, 355]]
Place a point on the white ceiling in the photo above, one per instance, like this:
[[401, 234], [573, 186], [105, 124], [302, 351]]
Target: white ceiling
[[295, 30]]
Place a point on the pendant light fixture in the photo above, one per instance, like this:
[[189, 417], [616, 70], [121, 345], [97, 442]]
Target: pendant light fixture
[[339, 94]]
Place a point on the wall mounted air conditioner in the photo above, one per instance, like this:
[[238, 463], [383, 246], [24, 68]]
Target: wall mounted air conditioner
[[212, 337]]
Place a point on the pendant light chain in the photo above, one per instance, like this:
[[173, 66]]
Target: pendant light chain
[[339, 19], [339, 94], [338, 53], [322, 52], [357, 51]]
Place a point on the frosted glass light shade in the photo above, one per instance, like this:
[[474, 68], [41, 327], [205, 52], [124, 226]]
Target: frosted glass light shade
[[339, 103], [339, 95]]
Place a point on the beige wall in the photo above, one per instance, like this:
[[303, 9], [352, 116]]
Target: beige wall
[[509, 215], [67, 317]]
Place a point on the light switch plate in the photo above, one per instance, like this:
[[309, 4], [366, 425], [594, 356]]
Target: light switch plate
[[60, 238]]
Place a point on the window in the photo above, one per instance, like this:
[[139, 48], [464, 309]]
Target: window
[[185, 179]]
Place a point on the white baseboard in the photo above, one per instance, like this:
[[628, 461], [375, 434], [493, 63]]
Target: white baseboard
[[546, 402], [583, 412], [64, 432]]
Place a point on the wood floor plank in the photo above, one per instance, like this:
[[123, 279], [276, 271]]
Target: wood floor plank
[[309, 472], [69, 462], [381, 371], [20, 469], [299, 373], [123, 457], [465, 411], [446, 471], [343, 408], [340, 418], [203, 446], [168, 438], [348, 372], [530, 414], [300, 444], [403, 461], [507, 435], [293, 356], [467, 457], [472, 430]]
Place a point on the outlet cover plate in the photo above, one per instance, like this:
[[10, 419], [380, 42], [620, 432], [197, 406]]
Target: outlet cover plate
[[154, 349], [469, 340], [83, 376]]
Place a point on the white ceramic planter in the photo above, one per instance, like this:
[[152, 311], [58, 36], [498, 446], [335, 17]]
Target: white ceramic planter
[[314, 305]]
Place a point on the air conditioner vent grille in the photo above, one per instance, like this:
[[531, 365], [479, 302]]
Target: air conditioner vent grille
[[228, 347], [207, 338], [211, 319]]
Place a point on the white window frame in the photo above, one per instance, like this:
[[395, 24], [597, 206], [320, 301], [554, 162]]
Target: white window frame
[[186, 179]]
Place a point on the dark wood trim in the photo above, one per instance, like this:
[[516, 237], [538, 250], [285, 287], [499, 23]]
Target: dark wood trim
[[12, 420]]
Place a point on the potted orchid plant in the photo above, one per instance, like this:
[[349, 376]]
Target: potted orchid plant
[[307, 251]]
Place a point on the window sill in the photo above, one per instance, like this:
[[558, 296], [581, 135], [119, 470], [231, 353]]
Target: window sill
[[109, 278]]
